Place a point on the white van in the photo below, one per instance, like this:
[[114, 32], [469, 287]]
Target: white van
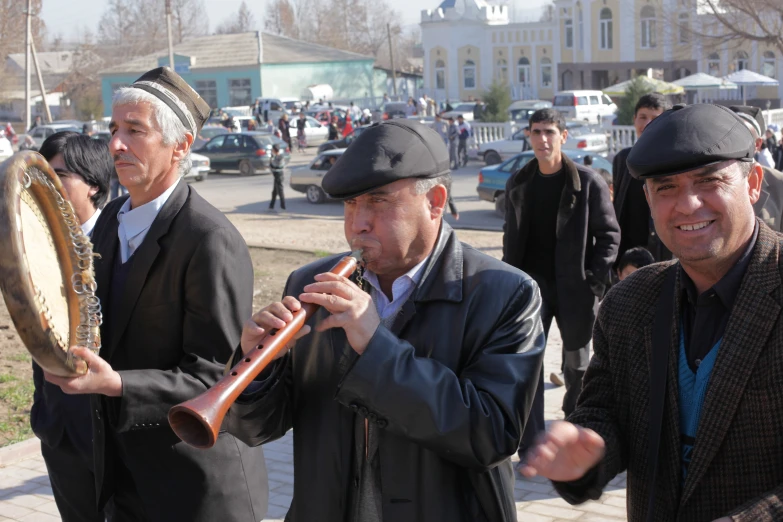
[[589, 106]]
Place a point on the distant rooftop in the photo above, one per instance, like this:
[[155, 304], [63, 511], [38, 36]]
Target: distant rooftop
[[241, 49]]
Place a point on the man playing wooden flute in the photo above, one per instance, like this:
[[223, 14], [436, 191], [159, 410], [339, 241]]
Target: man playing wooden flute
[[409, 389]]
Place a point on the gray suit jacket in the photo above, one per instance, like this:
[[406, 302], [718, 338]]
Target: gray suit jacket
[[769, 207], [180, 317]]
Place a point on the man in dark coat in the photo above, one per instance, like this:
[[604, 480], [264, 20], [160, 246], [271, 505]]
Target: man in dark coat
[[684, 389], [175, 283], [560, 228], [630, 207], [409, 390], [61, 421]]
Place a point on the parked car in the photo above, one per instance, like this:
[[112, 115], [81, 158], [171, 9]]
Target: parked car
[[308, 180], [520, 111], [342, 143], [207, 133], [464, 109], [41, 132], [315, 132], [199, 168], [324, 116], [101, 135], [6, 149], [391, 111], [276, 108], [493, 152], [248, 151], [587, 138], [589, 106], [492, 179]]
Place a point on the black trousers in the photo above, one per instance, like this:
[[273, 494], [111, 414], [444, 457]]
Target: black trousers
[[277, 189], [574, 365], [73, 483]]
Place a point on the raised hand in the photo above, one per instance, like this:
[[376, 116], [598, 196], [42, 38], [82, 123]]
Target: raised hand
[[564, 453]]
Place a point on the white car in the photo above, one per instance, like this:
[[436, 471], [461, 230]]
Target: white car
[[493, 152], [589, 106], [315, 133], [199, 168], [6, 149], [463, 109], [580, 137], [586, 138], [41, 132], [308, 180]]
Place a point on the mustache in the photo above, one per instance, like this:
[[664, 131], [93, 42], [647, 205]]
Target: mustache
[[127, 158]]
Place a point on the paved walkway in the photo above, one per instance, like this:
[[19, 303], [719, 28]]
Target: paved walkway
[[25, 494]]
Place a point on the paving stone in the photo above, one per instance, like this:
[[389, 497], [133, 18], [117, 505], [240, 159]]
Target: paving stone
[[13, 511], [27, 500], [50, 507], [40, 517], [552, 511], [525, 516], [603, 509]]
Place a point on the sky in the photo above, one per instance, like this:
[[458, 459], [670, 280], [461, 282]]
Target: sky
[[66, 17]]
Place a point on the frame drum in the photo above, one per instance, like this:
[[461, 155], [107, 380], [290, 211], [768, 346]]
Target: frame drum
[[46, 272]]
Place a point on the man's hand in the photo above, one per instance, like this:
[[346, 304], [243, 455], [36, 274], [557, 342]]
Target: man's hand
[[100, 378], [276, 315], [352, 309], [564, 453]]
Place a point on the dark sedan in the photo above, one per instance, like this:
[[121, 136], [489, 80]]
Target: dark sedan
[[247, 151], [342, 142]]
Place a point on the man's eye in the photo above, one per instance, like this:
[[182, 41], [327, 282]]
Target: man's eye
[[664, 187]]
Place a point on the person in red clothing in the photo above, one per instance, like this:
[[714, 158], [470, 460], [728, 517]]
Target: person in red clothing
[[347, 128]]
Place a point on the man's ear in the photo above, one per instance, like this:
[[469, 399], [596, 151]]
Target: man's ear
[[755, 179], [182, 148], [438, 196]]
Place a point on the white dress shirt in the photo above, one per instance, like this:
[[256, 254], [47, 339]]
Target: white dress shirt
[[402, 288], [135, 223], [89, 225]]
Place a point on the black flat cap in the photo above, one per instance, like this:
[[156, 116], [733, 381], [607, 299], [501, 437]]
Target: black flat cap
[[384, 153], [752, 115], [689, 137], [171, 89]]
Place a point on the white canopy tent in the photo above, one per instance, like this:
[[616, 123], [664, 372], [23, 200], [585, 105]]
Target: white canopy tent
[[748, 78]]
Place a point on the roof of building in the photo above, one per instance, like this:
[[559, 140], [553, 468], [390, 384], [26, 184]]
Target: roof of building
[[241, 49]]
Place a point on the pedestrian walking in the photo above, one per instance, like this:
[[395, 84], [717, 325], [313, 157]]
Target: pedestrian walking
[[465, 132], [334, 132], [277, 166], [442, 128], [453, 144], [284, 126], [301, 134], [561, 230], [684, 390], [406, 405], [347, 128]]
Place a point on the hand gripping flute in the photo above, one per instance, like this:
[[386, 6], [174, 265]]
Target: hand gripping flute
[[197, 421]]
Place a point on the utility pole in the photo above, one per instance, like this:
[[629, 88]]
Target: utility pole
[[391, 55], [27, 66], [40, 82], [168, 25]]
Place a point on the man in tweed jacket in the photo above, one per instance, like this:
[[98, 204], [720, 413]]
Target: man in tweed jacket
[[722, 459]]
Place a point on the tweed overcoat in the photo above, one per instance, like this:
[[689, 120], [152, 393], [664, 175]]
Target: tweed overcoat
[[737, 462]]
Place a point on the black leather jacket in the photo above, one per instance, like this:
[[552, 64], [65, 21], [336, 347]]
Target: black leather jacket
[[449, 386]]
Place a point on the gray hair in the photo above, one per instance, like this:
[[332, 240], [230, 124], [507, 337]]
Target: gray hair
[[172, 129], [424, 185]]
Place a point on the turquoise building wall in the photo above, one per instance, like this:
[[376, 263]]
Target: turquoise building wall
[[349, 80]]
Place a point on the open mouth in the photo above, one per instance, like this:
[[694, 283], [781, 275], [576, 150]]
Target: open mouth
[[696, 226]]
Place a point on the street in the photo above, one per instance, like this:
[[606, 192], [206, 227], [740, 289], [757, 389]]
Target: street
[[232, 193]]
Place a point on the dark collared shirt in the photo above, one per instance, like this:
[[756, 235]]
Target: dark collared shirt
[[704, 317]]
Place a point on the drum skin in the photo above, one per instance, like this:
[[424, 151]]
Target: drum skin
[[40, 331]]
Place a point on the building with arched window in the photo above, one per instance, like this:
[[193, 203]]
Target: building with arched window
[[584, 44]]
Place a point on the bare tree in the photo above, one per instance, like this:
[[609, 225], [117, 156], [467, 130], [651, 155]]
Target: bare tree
[[740, 21], [547, 13], [189, 18], [239, 22]]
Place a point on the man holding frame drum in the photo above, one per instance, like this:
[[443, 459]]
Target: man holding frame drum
[[175, 282]]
